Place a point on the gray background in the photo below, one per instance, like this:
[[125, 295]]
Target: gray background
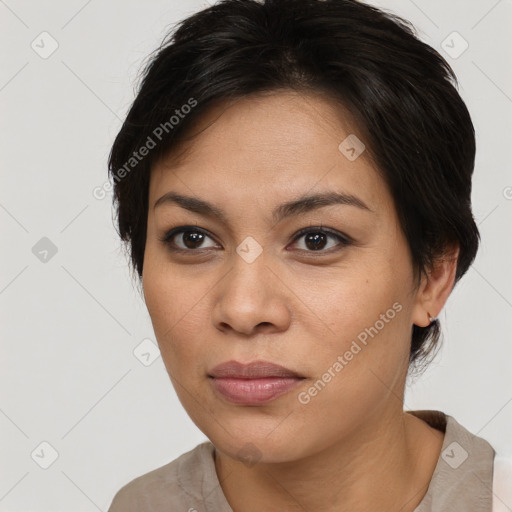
[[72, 320]]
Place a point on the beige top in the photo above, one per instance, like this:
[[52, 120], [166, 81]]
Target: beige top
[[462, 480]]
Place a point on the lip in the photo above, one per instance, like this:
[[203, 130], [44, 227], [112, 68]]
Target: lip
[[252, 370], [254, 383]]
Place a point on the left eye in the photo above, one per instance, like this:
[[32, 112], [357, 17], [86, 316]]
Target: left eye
[[317, 239]]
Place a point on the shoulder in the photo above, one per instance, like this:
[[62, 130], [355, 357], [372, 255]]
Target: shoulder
[[502, 484], [168, 486]]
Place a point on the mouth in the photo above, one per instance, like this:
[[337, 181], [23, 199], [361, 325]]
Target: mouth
[[254, 383]]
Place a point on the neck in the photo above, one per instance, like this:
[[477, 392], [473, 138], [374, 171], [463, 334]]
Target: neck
[[385, 465]]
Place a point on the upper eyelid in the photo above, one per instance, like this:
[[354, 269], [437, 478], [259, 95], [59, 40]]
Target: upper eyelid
[[171, 233], [326, 230]]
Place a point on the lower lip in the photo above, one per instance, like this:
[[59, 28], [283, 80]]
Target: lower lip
[[253, 391]]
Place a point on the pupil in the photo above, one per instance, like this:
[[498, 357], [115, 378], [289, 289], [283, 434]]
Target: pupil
[[318, 240], [194, 238]]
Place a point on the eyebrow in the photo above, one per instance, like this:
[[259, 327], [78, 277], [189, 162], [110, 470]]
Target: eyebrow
[[301, 205]]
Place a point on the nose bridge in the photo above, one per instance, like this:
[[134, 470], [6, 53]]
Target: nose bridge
[[249, 295], [250, 273]]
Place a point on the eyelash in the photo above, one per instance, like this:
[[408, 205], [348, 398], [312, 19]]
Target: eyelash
[[343, 239]]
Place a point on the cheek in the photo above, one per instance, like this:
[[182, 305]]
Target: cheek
[[175, 307], [358, 301], [372, 344], [366, 334], [363, 359]]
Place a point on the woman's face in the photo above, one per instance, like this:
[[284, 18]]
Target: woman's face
[[337, 311]]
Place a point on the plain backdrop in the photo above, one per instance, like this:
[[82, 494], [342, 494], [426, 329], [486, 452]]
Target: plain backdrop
[[72, 375]]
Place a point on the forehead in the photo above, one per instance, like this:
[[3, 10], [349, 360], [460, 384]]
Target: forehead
[[279, 143]]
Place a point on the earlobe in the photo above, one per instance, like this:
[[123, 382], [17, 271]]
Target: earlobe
[[435, 288]]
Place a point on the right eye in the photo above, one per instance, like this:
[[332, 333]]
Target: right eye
[[190, 239]]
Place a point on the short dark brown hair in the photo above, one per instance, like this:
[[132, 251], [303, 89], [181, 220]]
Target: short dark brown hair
[[400, 91]]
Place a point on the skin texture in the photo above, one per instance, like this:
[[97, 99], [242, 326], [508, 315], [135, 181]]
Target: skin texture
[[351, 447]]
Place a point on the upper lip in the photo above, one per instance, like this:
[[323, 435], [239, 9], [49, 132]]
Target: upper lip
[[252, 370]]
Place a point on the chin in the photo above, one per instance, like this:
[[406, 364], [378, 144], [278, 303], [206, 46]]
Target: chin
[[252, 448]]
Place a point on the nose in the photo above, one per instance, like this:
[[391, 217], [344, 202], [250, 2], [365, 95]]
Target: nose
[[251, 299]]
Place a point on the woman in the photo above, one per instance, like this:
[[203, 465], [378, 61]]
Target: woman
[[293, 181]]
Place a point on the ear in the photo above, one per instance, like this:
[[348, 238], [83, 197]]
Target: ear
[[435, 287]]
